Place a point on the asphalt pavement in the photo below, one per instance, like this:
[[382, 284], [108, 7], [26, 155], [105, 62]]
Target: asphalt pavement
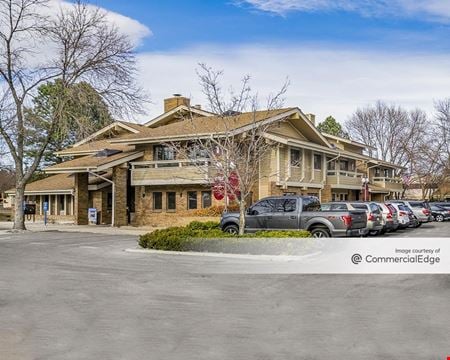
[[80, 296]]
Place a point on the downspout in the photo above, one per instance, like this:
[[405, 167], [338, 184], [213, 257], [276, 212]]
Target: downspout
[[113, 194]]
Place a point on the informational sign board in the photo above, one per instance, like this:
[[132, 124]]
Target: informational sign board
[[92, 215]]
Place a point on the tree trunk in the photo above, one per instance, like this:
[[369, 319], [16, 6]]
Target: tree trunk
[[19, 218], [242, 206]]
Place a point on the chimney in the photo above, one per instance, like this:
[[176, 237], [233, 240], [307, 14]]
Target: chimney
[[312, 118], [174, 101]]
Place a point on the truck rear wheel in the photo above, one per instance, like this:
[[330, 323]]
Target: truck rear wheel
[[231, 229], [320, 232]]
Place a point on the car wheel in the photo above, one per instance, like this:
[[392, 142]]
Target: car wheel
[[439, 218], [374, 232], [320, 233], [419, 224], [231, 229]]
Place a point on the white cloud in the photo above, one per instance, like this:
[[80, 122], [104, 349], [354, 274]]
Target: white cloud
[[135, 30], [323, 81], [437, 10]]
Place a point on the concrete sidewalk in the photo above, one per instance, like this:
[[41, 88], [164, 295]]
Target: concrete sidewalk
[[6, 226]]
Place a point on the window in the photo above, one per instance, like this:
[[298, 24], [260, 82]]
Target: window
[[296, 157], [344, 165], [286, 205], [331, 164], [351, 166], [262, 207], [195, 151], [339, 197], [317, 162], [192, 200], [387, 173], [109, 201], [310, 204], [377, 172], [206, 199], [162, 152], [374, 208], [157, 201], [62, 202], [339, 207], [171, 200]]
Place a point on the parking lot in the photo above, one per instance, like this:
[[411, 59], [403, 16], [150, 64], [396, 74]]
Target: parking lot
[[431, 229], [80, 296]]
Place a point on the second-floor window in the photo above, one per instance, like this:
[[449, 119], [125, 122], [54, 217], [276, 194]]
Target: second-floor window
[[387, 173], [377, 172], [296, 157], [162, 152], [331, 164], [317, 162], [343, 165]]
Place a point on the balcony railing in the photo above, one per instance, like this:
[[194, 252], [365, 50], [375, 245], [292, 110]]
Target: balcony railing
[[351, 174], [391, 183], [164, 172], [393, 180]]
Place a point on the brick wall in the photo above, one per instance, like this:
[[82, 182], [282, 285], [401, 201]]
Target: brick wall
[[146, 215], [81, 199], [119, 178]]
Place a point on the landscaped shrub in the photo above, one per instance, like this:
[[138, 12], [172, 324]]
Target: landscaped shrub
[[207, 236], [215, 210]]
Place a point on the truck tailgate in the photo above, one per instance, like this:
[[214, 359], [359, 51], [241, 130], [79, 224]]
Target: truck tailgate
[[359, 219]]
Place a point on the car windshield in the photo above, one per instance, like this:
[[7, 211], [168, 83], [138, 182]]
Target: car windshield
[[360, 206], [418, 205]]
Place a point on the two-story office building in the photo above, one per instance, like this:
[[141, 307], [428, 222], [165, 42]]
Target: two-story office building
[[130, 174]]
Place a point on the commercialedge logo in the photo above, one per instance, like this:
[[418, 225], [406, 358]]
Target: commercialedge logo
[[409, 259]]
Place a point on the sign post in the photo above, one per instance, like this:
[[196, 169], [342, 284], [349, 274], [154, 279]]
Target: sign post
[[92, 215], [45, 208]]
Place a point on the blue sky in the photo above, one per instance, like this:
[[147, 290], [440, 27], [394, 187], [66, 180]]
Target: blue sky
[[177, 24], [338, 54]]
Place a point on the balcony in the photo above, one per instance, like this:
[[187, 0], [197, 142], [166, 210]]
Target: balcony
[[344, 179], [170, 172], [389, 183]]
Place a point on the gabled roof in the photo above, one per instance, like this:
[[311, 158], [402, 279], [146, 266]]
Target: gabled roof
[[94, 163], [206, 126], [347, 141], [180, 109], [93, 147], [130, 127], [61, 183]]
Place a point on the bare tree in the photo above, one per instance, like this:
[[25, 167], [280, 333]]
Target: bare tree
[[407, 138], [233, 154], [78, 44]]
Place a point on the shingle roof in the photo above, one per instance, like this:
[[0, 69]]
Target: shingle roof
[[202, 125], [90, 161], [63, 182], [94, 146]]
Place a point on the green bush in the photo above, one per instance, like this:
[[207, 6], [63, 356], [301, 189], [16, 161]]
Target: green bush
[[207, 236]]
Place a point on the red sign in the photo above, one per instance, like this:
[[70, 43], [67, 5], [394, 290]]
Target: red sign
[[232, 186]]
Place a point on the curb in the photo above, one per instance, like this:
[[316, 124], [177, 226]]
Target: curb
[[225, 255]]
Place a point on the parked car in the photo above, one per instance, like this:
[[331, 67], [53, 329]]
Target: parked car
[[295, 212], [374, 216], [439, 213], [390, 217], [445, 204], [421, 209], [402, 215]]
